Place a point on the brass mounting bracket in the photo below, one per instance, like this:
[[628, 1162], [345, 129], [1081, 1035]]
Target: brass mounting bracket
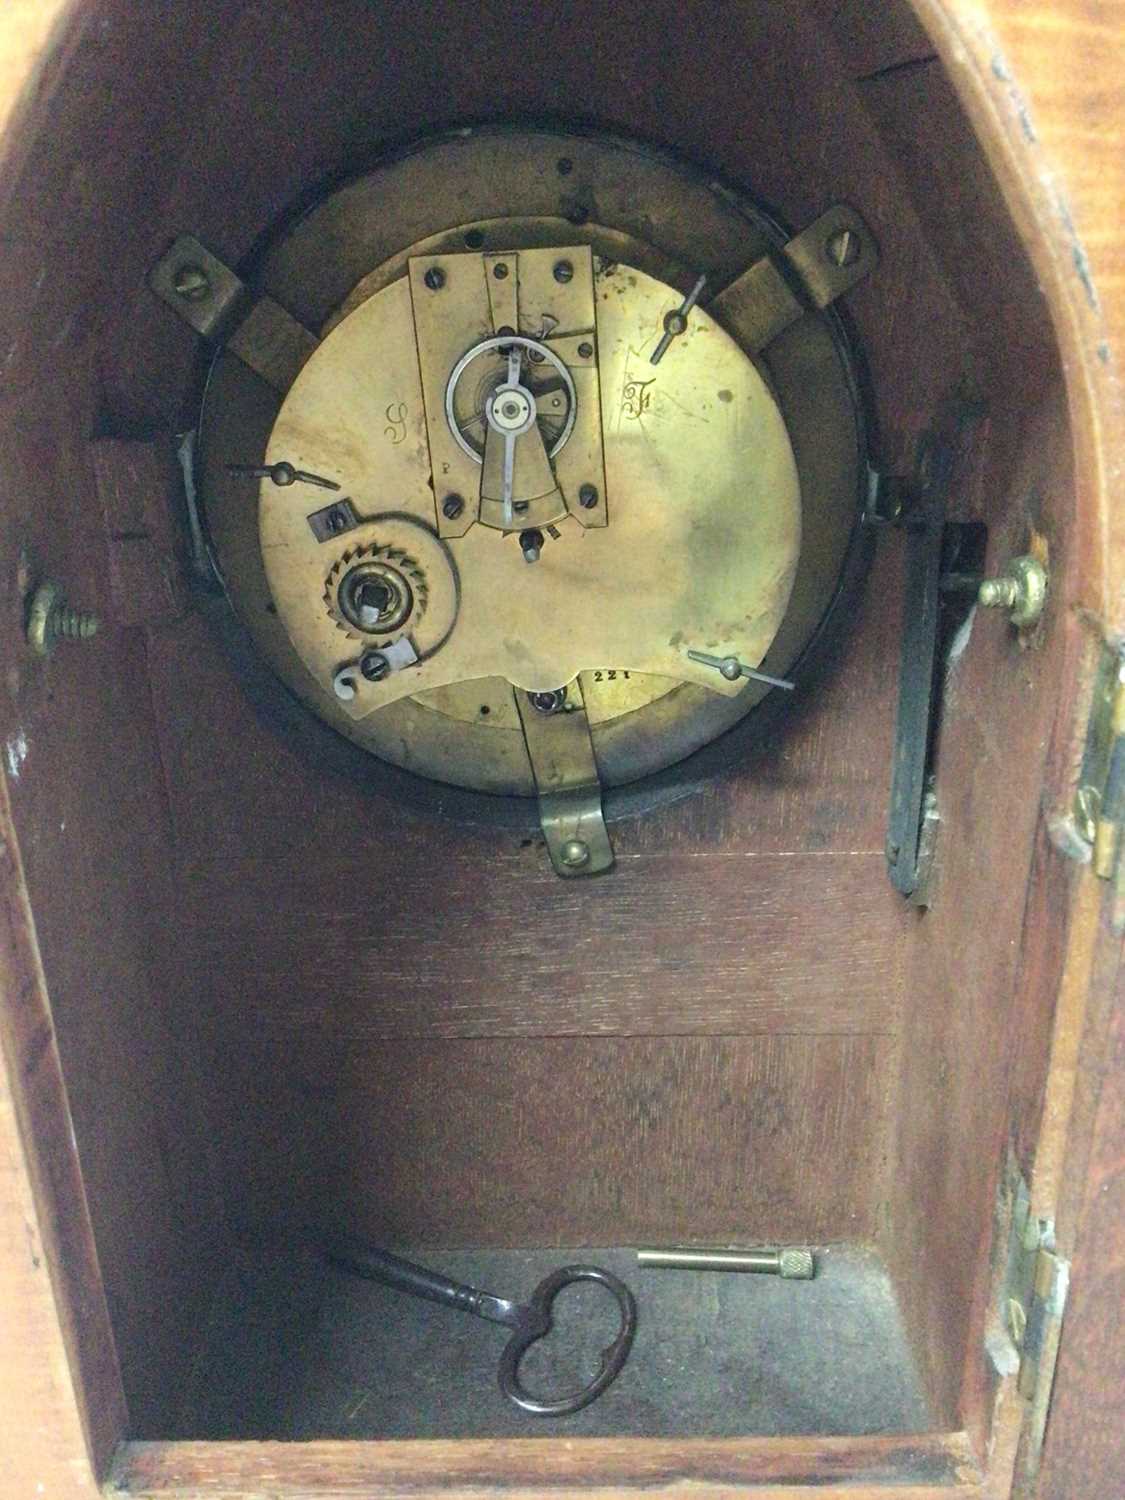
[[825, 260], [210, 298], [566, 776]]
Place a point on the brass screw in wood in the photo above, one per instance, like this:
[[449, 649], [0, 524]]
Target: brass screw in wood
[[50, 620], [999, 593]]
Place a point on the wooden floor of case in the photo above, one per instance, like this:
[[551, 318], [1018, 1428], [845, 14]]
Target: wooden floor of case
[[299, 1350]]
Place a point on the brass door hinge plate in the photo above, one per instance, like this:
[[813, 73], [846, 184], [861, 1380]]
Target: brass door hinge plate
[[1099, 803], [1035, 1292]]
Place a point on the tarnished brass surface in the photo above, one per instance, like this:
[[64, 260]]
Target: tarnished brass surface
[[561, 751], [214, 301], [832, 254], [830, 257], [702, 545], [791, 1263], [490, 190], [51, 619], [468, 308]]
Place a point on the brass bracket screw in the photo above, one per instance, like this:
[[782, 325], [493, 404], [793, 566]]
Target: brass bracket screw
[[50, 620], [1021, 590]]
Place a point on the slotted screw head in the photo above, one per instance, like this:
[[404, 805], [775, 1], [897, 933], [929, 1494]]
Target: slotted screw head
[[843, 248], [564, 271], [434, 278], [374, 666], [192, 283]]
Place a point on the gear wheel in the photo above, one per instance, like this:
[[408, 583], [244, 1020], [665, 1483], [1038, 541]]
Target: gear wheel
[[394, 567]]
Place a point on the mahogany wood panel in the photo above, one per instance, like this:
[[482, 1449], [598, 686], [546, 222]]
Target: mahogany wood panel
[[59, 1377], [736, 944], [873, 40], [925, 133], [145, 551], [1044, 86], [90, 813], [562, 1140], [936, 1467], [1064, 65], [1058, 947], [962, 1010], [1084, 1457]]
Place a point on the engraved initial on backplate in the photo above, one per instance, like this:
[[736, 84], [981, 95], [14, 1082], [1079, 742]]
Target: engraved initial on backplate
[[395, 430], [636, 398]]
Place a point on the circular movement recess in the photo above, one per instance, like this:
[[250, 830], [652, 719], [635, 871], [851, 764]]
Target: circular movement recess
[[533, 506]]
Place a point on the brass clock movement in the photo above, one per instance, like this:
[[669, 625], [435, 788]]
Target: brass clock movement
[[531, 460]]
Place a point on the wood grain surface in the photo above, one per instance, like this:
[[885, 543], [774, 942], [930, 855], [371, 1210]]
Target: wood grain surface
[[79, 750], [1083, 1449], [915, 1468], [61, 1397], [564, 1141], [1001, 697], [737, 944], [1044, 88]]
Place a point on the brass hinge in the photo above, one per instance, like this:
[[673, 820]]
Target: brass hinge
[[1099, 803], [1035, 1292]]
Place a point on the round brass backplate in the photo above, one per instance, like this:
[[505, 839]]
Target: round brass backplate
[[723, 514]]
